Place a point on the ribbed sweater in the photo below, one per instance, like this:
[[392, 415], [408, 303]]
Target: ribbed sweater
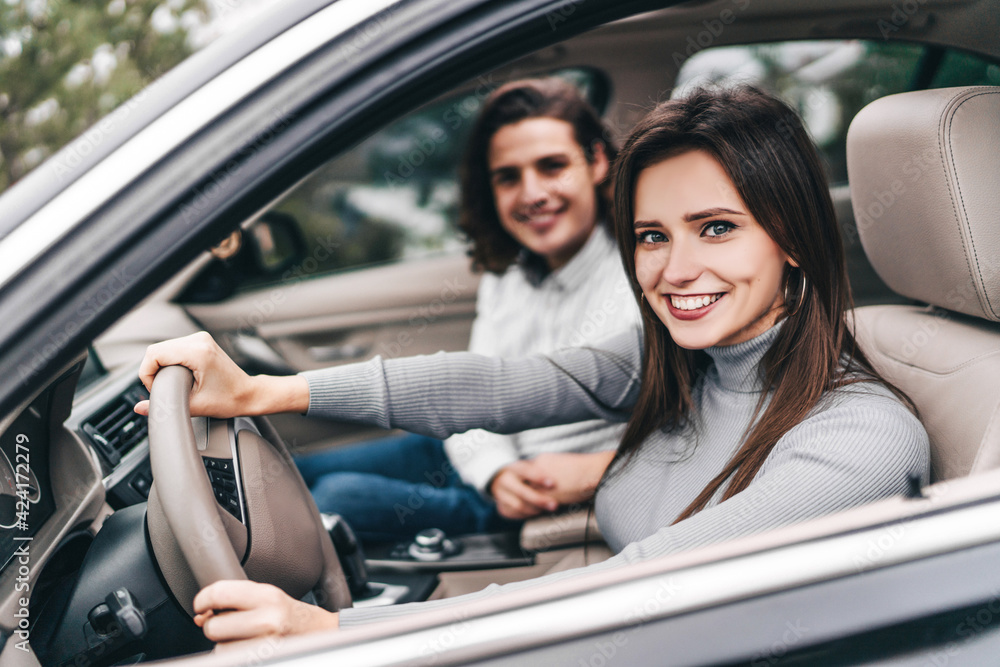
[[860, 444]]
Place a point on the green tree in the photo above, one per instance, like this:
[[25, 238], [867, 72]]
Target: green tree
[[64, 65]]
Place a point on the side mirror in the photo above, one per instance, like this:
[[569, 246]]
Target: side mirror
[[275, 243], [256, 255]]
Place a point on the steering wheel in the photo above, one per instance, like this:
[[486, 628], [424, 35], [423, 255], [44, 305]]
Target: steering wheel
[[270, 531]]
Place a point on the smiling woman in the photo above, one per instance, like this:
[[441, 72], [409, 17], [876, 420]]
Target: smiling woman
[[756, 413], [734, 192]]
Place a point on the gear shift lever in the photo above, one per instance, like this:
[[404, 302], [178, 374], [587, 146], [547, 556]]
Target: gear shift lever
[[352, 557]]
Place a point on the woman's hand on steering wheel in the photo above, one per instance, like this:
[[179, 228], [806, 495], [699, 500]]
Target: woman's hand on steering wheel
[[277, 504], [221, 388], [230, 611]]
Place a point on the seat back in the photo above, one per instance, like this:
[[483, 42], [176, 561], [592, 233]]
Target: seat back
[[923, 172], [923, 168]]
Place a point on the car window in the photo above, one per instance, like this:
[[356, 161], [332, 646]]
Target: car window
[[395, 195], [829, 81], [64, 66]]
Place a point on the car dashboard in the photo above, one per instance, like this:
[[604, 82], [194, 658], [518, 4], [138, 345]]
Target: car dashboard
[[54, 499], [74, 478], [73, 511]]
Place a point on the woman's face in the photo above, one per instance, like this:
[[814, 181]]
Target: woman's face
[[544, 188], [708, 270]]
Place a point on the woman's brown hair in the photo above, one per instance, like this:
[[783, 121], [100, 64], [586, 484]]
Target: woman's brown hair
[[493, 249], [766, 151]]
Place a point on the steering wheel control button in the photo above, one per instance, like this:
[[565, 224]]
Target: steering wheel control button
[[223, 480], [432, 544]]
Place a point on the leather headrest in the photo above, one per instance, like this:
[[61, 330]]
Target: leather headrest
[[924, 170]]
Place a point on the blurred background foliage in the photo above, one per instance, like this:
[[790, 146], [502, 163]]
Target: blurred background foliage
[[64, 65]]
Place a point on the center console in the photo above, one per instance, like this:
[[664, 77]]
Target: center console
[[433, 561]]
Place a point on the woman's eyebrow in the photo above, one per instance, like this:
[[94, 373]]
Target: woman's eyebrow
[[641, 224], [710, 213]]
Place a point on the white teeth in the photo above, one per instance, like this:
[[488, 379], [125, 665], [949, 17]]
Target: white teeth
[[683, 303]]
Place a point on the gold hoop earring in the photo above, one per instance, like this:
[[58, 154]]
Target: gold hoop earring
[[801, 299]]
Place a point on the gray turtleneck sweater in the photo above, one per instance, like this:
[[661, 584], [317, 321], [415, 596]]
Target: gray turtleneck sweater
[[860, 444]]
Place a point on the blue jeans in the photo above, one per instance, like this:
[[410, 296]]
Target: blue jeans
[[390, 489]]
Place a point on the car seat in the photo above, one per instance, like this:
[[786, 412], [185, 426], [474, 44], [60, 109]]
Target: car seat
[[923, 172]]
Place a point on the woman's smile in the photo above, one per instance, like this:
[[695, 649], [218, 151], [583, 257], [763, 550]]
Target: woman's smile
[[692, 307]]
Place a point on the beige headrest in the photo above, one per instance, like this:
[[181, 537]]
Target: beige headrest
[[924, 169]]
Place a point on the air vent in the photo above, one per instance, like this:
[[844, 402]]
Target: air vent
[[115, 429]]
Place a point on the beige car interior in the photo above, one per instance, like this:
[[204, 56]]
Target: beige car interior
[[922, 168]]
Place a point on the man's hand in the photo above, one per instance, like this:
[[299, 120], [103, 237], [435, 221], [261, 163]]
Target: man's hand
[[221, 388], [531, 487], [230, 611], [574, 477], [521, 491]]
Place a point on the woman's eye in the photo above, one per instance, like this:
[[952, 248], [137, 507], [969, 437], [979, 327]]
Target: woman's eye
[[651, 237], [718, 228]]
